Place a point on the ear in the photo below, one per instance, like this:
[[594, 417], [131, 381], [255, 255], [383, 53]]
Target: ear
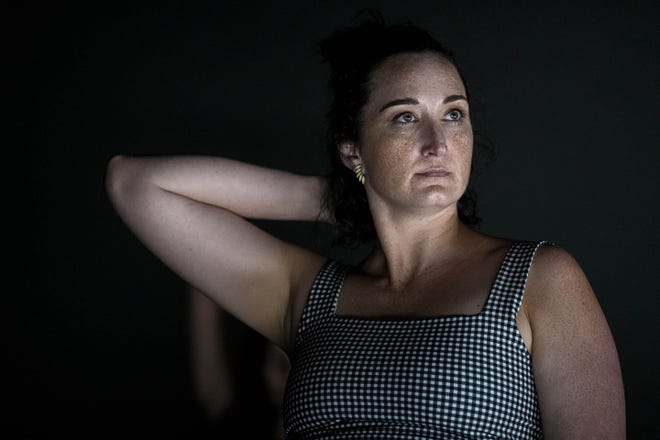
[[349, 154]]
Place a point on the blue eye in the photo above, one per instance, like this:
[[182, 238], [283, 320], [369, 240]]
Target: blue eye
[[405, 118], [454, 115]]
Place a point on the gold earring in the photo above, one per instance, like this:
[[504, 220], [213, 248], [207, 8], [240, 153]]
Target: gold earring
[[359, 173]]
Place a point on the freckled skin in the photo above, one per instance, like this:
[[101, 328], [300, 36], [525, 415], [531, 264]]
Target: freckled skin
[[393, 153]]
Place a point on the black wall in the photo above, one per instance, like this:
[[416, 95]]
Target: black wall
[[97, 326]]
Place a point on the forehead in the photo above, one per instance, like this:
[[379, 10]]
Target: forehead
[[411, 74]]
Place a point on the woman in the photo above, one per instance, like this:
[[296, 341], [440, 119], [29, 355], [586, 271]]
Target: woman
[[442, 331]]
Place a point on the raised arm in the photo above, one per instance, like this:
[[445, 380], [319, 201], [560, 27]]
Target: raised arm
[[190, 212], [575, 362]]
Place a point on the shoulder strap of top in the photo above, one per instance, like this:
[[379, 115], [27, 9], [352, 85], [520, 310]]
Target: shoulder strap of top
[[509, 286], [322, 295]]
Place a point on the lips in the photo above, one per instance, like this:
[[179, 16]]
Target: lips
[[434, 173]]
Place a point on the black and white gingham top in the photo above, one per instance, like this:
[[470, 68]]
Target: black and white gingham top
[[451, 377]]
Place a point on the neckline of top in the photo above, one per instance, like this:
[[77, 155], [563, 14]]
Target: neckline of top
[[436, 318]]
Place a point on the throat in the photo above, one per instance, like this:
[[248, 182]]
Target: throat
[[404, 256]]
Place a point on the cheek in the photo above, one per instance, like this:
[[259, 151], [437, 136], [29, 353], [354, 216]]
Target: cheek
[[384, 153], [463, 145]]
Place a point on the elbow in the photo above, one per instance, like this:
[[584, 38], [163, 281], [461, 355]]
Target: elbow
[[113, 174], [119, 177]]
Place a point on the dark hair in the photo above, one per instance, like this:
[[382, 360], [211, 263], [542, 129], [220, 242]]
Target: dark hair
[[353, 53]]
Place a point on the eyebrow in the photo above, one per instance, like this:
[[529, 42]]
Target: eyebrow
[[408, 101], [402, 101], [452, 98]]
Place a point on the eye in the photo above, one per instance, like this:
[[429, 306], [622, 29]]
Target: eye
[[454, 115], [405, 118]]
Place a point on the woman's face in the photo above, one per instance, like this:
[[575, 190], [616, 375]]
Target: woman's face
[[416, 137]]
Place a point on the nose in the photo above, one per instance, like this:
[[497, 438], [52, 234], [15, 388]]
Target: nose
[[433, 139]]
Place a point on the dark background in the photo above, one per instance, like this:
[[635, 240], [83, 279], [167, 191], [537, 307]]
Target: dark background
[[97, 332]]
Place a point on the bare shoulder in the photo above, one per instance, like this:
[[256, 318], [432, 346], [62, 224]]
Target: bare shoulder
[[555, 277], [552, 260], [558, 293], [575, 361]]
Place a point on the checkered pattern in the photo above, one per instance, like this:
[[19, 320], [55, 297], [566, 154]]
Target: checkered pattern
[[451, 377]]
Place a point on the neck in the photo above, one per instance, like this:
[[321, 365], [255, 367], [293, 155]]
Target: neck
[[410, 245]]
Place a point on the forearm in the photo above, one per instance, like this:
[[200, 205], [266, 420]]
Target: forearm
[[247, 190]]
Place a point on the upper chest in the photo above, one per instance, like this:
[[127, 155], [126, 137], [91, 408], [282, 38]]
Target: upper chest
[[460, 288]]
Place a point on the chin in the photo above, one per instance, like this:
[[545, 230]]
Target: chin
[[439, 200], [439, 195]]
